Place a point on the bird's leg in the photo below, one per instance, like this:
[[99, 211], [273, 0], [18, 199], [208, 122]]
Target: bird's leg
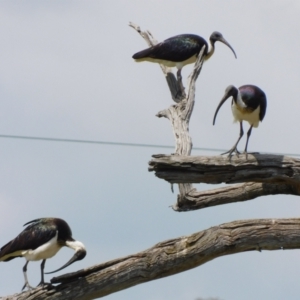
[[42, 272], [248, 135], [179, 81], [234, 148], [42, 283], [25, 276]]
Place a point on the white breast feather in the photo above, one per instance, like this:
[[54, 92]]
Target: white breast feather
[[251, 117], [43, 252], [167, 63]]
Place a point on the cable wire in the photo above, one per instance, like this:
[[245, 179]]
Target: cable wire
[[120, 143]]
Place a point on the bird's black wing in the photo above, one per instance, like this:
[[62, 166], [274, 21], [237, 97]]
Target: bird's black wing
[[253, 97], [177, 48], [31, 237], [263, 106], [249, 100], [250, 95]]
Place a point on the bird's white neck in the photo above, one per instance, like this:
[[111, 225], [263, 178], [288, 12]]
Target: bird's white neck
[[75, 245], [211, 51], [239, 100]]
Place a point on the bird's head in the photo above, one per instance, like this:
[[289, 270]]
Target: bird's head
[[231, 91], [217, 36], [80, 253]]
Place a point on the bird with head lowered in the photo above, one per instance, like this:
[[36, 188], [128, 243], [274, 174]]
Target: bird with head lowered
[[40, 240]]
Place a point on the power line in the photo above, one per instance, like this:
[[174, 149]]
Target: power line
[[82, 141], [100, 142], [119, 143]]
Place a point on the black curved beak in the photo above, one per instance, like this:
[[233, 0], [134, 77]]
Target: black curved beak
[[222, 40], [225, 97], [77, 256]]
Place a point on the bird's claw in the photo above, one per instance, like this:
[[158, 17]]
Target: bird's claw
[[27, 285], [246, 153], [229, 152], [46, 285]]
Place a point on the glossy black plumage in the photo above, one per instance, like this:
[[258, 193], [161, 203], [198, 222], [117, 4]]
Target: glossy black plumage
[[39, 232], [180, 50], [40, 240], [177, 49], [249, 103], [253, 97]]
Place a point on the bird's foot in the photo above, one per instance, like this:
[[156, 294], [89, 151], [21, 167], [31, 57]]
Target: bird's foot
[[246, 153], [251, 152], [29, 287], [233, 149], [45, 285]]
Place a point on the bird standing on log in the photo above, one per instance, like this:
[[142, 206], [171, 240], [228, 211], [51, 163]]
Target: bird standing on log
[[180, 50], [42, 239], [249, 103]]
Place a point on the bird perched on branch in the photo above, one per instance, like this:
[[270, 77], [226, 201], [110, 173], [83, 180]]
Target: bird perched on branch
[[40, 240], [180, 50], [249, 103]]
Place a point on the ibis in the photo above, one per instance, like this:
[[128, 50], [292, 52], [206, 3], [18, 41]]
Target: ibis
[[180, 50], [40, 240], [249, 103]]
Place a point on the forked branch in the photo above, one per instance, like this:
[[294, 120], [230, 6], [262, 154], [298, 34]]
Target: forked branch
[[259, 175]]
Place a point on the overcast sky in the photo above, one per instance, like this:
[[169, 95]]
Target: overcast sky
[[66, 72]]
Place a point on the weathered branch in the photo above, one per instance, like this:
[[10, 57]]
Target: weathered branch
[[218, 169], [171, 257], [230, 194], [264, 175]]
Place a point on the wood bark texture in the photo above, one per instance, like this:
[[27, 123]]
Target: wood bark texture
[[259, 175], [170, 257]]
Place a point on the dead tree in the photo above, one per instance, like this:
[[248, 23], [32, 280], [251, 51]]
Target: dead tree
[[259, 175]]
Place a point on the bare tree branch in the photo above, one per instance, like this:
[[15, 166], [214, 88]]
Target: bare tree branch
[[261, 174], [234, 193], [218, 169], [171, 257]]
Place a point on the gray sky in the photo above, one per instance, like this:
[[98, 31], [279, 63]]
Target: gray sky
[[66, 71]]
